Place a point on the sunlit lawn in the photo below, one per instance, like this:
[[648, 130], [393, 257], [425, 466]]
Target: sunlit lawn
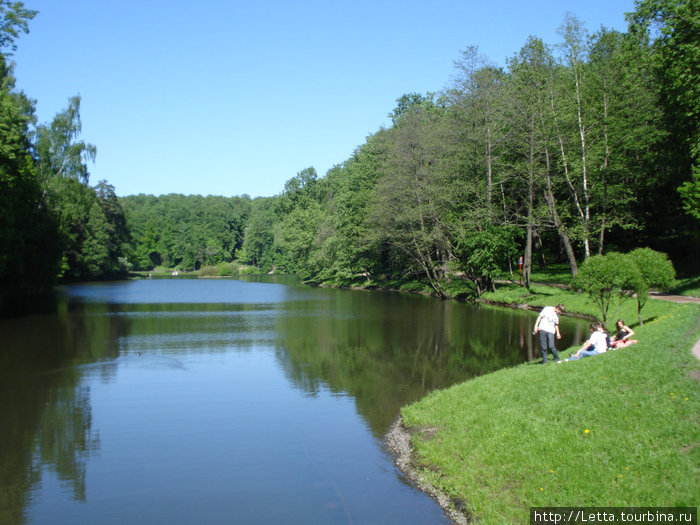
[[620, 429]]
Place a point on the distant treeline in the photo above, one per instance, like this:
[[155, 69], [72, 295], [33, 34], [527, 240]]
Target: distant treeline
[[588, 147]]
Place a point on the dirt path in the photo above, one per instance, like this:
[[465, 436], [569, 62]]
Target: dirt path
[[675, 298]]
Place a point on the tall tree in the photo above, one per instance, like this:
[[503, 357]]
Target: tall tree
[[14, 18], [29, 252], [60, 153], [575, 52], [527, 97], [476, 96], [673, 26], [414, 195]]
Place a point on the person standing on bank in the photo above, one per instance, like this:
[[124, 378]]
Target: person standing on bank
[[547, 325]]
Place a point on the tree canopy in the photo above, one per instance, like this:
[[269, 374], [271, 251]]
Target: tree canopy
[[568, 152]]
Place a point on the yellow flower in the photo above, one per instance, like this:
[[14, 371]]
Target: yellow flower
[[541, 489], [586, 431]]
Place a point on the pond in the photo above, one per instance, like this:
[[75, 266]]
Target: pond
[[254, 400]]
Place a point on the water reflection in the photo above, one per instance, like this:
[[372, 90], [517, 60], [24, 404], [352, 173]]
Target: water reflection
[[125, 373]]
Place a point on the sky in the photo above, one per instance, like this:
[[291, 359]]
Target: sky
[[230, 97]]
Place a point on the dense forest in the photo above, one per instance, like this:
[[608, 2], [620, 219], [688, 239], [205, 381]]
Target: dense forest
[[581, 148]]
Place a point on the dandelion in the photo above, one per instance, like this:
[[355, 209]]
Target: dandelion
[[551, 471], [586, 431], [541, 489]]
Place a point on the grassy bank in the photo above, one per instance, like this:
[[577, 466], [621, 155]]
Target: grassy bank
[[620, 429]]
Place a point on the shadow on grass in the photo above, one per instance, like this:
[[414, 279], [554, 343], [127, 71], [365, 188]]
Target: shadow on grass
[[686, 285]]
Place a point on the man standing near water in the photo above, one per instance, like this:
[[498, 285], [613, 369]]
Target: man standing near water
[[547, 325]]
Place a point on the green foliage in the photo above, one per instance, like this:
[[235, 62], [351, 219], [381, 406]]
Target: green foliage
[[185, 232], [500, 447], [609, 280], [29, 253], [258, 246], [231, 269], [482, 254], [59, 152], [690, 193], [656, 270], [14, 18], [556, 159]]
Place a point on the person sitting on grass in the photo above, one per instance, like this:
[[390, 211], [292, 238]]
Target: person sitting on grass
[[596, 344], [622, 338]]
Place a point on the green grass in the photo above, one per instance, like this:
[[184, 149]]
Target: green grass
[[620, 429], [689, 286], [553, 274], [542, 295]]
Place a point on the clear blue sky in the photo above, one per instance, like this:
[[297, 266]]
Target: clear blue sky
[[226, 97]]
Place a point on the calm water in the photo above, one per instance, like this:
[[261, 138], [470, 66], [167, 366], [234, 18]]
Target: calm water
[[187, 401]]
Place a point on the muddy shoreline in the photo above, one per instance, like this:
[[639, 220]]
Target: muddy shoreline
[[398, 441]]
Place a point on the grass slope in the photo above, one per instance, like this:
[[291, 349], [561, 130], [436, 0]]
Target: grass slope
[[619, 429]]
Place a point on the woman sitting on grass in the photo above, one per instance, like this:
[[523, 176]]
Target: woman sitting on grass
[[596, 344], [622, 338]]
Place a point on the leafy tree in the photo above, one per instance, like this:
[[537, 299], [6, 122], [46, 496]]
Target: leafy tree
[[14, 18], [657, 272], [477, 101], [186, 232], [482, 255], [673, 27], [413, 197], [95, 248], [677, 61], [608, 280], [258, 242], [59, 152], [409, 102], [352, 187], [29, 253]]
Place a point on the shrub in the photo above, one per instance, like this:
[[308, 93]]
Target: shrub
[[608, 279], [657, 272]]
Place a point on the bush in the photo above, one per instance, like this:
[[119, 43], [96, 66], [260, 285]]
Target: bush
[[609, 279], [657, 272]]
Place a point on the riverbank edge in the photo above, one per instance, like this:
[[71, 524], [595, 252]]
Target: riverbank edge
[[398, 438], [398, 441]]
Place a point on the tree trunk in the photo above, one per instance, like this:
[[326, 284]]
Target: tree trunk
[[527, 266], [561, 229]]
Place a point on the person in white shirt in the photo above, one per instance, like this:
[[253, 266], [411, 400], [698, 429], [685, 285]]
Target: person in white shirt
[[596, 344], [547, 325]]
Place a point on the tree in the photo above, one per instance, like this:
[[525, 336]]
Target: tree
[[14, 17], [528, 89], [673, 26], [477, 100], [59, 152], [657, 272], [482, 255], [353, 252], [416, 194], [608, 280], [29, 252], [258, 243], [624, 106], [575, 51]]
